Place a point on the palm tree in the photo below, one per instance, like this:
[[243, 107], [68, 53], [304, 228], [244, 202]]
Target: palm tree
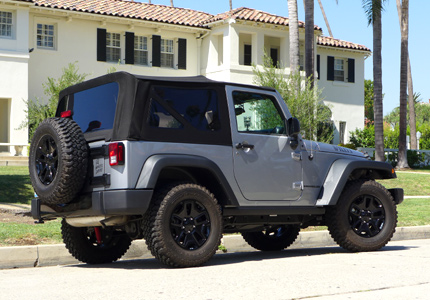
[[231, 4], [373, 10], [171, 3], [293, 23], [309, 40], [411, 98], [403, 161]]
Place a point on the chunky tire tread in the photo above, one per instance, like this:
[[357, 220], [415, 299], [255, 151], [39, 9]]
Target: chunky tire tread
[[159, 239], [81, 248], [337, 217], [72, 161], [261, 241]]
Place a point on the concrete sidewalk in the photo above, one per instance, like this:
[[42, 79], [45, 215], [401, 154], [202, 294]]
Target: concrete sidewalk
[[51, 255]]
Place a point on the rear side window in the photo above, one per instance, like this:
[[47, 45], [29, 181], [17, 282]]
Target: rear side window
[[94, 109], [179, 108]]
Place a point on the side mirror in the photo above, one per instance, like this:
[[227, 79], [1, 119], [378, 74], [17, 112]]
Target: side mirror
[[293, 127]]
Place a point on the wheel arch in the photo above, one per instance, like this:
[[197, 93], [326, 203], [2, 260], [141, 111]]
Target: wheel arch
[[161, 168], [344, 170]]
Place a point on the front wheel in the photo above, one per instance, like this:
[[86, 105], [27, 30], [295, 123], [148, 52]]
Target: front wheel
[[95, 245], [185, 225], [365, 217], [273, 238]]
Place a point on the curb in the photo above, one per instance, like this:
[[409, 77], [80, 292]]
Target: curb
[[53, 255]]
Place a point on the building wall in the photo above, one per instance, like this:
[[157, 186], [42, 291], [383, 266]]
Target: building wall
[[76, 41], [346, 99], [14, 78]]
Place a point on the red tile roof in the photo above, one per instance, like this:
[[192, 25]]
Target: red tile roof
[[179, 16], [129, 9], [332, 42], [249, 14]]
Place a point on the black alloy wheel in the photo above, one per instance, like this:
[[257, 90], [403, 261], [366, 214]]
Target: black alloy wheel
[[46, 159], [367, 216], [190, 224]]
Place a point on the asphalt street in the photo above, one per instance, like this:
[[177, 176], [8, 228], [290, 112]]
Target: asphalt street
[[400, 270]]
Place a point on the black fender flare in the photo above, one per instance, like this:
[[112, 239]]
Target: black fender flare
[[341, 171], [155, 164]]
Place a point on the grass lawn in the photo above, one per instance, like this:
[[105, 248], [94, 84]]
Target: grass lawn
[[15, 186], [20, 234], [412, 183]]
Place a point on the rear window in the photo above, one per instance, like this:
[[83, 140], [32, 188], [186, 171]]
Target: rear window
[[94, 109]]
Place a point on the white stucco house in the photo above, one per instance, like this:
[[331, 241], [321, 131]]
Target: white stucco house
[[40, 37]]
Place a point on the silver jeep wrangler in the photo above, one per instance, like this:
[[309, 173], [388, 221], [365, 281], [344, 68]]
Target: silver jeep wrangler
[[180, 161]]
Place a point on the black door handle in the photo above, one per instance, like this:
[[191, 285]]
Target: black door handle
[[241, 146]]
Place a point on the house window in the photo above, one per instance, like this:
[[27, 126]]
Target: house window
[[46, 36], [274, 57], [339, 69], [166, 53], [5, 24], [342, 128], [141, 50], [113, 47], [247, 55]]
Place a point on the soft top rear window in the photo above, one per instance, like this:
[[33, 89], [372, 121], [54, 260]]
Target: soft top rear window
[[94, 109]]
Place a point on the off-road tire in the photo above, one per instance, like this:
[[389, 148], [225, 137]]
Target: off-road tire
[[365, 217], [175, 210], [82, 243], [273, 239], [58, 160]]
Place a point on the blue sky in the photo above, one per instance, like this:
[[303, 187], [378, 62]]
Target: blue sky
[[348, 22]]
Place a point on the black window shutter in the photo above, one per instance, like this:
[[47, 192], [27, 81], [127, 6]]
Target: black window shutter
[[330, 68], [182, 54], [351, 70], [101, 44], [318, 66], [129, 48], [247, 58], [274, 56], [156, 51]]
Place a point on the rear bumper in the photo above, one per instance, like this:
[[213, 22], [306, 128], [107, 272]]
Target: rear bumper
[[106, 203]]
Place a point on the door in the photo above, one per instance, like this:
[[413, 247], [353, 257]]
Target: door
[[265, 165]]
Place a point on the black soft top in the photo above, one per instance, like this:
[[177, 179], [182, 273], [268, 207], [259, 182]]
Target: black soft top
[[131, 113]]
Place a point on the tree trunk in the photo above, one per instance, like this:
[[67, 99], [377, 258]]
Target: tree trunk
[[411, 100], [403, 161], [377, 85], [293, 24], [309, 41], [325, 18], [171, 3], [231, 4]]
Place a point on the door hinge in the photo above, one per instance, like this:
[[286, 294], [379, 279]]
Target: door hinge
[[298, 185]]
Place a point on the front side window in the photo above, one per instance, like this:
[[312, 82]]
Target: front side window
[[167, 53], [5, 24], [46, 36], [339, 69], [113, 47], [141, 50], [179, 108], [257, 113]]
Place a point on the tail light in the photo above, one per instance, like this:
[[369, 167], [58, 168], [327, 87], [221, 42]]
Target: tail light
[[116, 154]]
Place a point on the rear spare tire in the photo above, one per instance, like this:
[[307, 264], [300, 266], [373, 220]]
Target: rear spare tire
[[58, 160]]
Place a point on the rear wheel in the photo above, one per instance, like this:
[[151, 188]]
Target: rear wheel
[[364, 218], [185, 225], [272, 239], [95, 245]]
